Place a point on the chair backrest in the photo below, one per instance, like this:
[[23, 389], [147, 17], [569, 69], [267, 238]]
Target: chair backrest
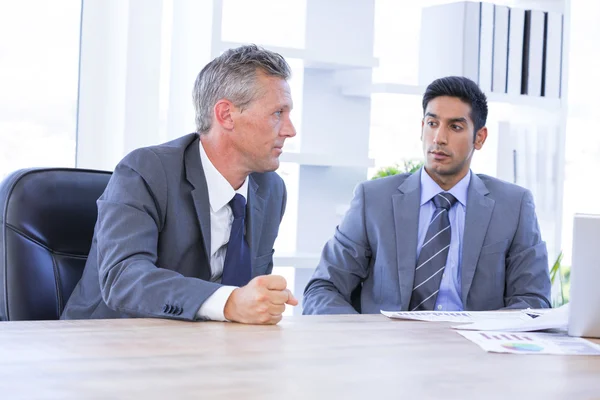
[[47, 219]]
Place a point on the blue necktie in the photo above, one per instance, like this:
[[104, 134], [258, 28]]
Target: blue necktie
[[433, 256], [236, 269]]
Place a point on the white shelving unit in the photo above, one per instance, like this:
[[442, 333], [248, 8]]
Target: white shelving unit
[[315, 60], [297, 260], [547, 104], [325, 160], [334, 146]]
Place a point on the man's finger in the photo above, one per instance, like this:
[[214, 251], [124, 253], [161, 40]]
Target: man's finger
[[273, 282], [279, 296], [276, 309], [292, 301]]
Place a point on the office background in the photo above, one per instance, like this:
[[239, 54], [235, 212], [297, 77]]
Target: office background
[[84, 82]]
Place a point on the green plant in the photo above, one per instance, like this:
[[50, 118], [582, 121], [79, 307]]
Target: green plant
[[555, 270], [561, 274], [410, 166]]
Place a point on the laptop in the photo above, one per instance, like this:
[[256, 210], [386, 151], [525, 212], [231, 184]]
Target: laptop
[[584, 303]]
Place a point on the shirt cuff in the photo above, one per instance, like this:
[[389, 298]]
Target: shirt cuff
[[213, 309]]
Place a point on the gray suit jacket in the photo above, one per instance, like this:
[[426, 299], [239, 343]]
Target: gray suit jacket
[[151, 247], [504, 260]]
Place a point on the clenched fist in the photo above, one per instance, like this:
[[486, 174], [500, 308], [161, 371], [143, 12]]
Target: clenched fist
[[261, 301]]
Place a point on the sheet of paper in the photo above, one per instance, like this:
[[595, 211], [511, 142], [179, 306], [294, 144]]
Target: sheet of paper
[[531, 343], [557, 318], [457, 316]]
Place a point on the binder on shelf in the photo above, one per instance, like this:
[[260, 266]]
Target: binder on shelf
[[438, 53], [515, 50], [553, 55], [504, 50], [486, 46], [500, 59], [533, 53]]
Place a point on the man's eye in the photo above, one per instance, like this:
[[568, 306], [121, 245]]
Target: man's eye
[[278, 113], [431, 123]]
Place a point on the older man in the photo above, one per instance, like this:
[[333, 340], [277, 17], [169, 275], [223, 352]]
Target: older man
[[186, 229]]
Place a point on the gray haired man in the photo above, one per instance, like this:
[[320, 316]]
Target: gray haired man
[[186, 229]]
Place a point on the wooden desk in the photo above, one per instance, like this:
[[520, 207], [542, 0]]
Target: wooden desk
[[331, 357]]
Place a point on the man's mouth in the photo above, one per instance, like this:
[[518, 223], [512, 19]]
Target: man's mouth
[[438, 155]]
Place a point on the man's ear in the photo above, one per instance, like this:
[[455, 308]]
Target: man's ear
[[480, 137], [222, 113]]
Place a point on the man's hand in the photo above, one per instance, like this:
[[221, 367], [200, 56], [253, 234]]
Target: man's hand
[[261, 301]]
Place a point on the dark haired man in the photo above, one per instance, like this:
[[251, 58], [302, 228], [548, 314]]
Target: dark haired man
[[443, 238]]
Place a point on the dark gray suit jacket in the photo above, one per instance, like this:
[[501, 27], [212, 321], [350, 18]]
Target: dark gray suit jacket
[[151, 247], [504, 260]]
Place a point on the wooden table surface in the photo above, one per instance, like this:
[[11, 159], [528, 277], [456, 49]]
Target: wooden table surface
[[321, 357]]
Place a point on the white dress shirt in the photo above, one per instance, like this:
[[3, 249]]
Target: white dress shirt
[[220, 194]]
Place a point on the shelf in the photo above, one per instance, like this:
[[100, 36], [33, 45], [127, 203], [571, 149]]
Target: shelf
[[312, 61], [547, 104], [296, 260], [325, 160], [376, 88], [523, 100]]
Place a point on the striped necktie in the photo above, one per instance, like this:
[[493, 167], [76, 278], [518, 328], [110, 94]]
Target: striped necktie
[[433, 256]]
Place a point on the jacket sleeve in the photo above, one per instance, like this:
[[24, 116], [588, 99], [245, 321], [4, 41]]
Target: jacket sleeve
[[131, 214], [343, 266], [527, 275]]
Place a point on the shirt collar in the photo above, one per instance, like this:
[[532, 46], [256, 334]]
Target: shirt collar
[[429, 188], [220, 191]]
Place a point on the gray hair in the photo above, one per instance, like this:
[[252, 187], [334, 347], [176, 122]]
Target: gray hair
[[232, 76]]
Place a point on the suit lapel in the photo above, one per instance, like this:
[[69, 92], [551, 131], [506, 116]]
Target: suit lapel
[[406, 219], [195, 176], [477, 220], [255, 212]]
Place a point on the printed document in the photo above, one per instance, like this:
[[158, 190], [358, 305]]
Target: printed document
[[531, 343], [557, 318], [458, 316]]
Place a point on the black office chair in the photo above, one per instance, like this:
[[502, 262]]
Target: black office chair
[[47, 218]]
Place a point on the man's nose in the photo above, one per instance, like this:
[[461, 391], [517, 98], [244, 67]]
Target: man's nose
[[288, 130], [440, 136]]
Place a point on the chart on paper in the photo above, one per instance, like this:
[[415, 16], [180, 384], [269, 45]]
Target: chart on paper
[[505, 336], [531, 343]]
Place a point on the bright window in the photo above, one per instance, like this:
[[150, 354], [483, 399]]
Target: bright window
[[39, 57]]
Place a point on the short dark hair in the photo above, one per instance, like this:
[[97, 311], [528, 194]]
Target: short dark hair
[[463, 88]]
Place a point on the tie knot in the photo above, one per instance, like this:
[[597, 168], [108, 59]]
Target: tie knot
[[444, 200], [238, 206]]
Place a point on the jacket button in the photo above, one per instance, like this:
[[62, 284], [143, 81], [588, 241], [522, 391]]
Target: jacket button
[[166, 308]]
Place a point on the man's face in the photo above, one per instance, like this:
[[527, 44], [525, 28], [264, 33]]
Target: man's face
[[262, 127], [447, 136]]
